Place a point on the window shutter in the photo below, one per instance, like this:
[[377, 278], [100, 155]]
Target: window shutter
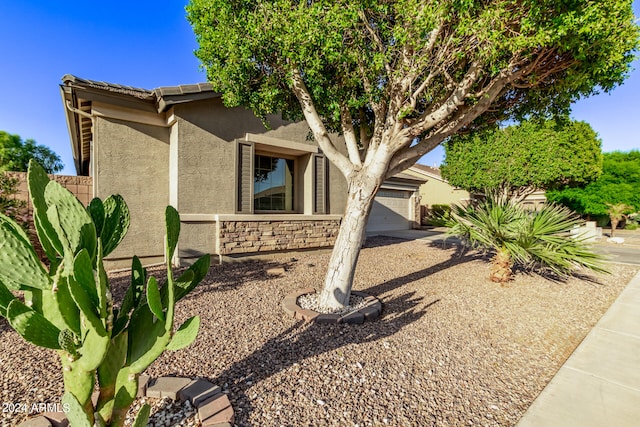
[[319, 184], [245, 178]]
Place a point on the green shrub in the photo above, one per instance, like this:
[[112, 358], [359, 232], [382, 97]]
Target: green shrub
[[437, 215], [9, 205], [69, 307], [601, 220]]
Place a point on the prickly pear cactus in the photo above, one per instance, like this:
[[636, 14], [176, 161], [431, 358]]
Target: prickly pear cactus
[[70, 308]]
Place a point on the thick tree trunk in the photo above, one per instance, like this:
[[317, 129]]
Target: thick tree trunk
[[342, 265]]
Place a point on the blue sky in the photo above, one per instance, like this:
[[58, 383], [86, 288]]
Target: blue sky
[[150, 44]]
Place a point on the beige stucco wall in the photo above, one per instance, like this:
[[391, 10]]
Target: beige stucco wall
[[133, 160], [205, 161], [189, 161], [203, 168], [436, 192], [197, 238], [206, 135]]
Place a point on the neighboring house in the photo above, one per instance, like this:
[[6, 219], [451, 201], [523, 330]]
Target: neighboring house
[[239, 187], [436, 190], [535, 201]]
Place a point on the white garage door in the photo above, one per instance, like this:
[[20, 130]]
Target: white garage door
[[391, 211]]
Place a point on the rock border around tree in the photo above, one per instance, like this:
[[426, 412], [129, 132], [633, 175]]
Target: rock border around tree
[[370, 311], [212, 405]]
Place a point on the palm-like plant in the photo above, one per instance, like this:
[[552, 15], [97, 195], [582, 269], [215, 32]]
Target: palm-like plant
[[617, 212], [531, 240]]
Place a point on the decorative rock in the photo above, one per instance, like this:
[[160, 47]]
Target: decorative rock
[[306, 315], [362, 294], [216, 410], [213, 407], [301, 305], [143, 383], [167, 387], [57, 419], [355, 317], [36, 422], [198, 391], [289, 306], [275, 271], [371, 312], [328, 318]]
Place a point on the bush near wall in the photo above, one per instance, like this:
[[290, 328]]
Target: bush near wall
[[437, 215], [80, 186]]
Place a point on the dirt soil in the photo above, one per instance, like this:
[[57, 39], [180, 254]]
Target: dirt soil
[[450, 349]]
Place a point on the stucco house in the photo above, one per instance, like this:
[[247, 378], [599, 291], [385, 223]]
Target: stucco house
[[240, 188], [436, 190]]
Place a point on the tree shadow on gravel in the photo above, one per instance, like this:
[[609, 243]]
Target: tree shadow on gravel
[[460, 256], [220, 278], [446, 242], [230, 276], [302, 341], [583, 276], [464, 253]]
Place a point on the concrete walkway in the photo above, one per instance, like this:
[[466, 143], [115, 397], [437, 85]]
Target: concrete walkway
[[599, 385]]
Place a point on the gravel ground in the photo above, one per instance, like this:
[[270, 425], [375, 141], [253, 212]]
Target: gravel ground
[[450, 349]]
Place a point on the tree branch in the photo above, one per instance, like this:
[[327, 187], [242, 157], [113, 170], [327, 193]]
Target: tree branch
[[379, 110], [365, 137], [406, 157], [428, 120], [346, 121], [376, 39], [317, 127]]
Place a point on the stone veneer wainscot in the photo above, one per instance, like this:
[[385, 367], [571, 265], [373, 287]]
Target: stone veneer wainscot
[[266, 234]]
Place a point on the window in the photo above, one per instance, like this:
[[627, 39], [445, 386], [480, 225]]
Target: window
[[272, 183], [276, 176]]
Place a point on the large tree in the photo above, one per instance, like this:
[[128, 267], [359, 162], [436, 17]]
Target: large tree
[[519, 159], [396, 78], [15, 154], [618, 184]]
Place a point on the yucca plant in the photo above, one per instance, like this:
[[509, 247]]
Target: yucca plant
[[519, 237], [617, 212], [69, 307]]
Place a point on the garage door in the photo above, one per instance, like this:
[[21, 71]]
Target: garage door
[[391, 211]]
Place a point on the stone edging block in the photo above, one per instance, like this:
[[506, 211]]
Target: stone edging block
[[213, 406], [371, 310]]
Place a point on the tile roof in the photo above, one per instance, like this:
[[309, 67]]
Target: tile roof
[[407, 177], [157, 93], [183, 89], [69, 79], [428, 169]]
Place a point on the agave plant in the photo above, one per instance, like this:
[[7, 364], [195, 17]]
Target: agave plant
[[69, 307], [517, 236]]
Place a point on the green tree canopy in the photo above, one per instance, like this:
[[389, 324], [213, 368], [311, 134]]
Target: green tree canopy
[[618, 184], [396, 78], [519, 159], [15, 154]]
